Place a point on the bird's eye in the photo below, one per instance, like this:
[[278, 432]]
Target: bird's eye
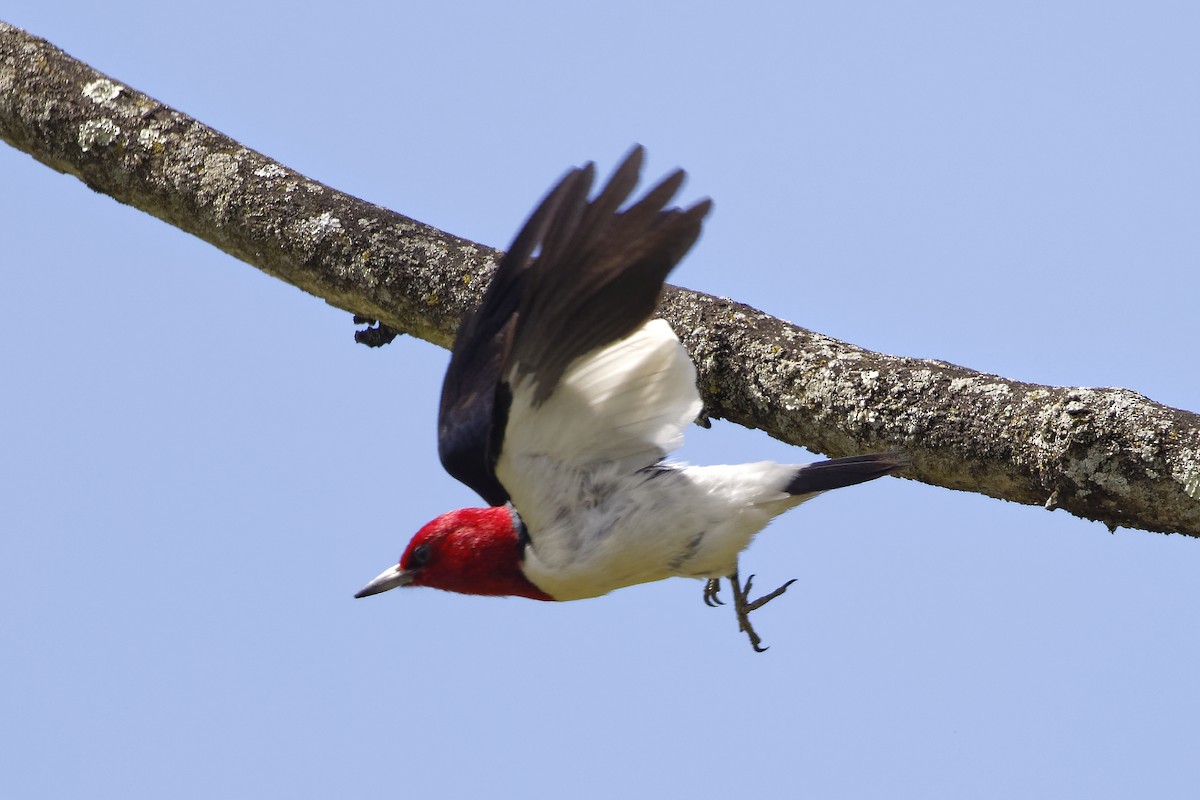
[[418, 556]]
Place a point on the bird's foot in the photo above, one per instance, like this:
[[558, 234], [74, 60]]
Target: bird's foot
[[711, 587], [742, 605]]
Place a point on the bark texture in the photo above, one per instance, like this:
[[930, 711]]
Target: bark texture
[[1109, 455]]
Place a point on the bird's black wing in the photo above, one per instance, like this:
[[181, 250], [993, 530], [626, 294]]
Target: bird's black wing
[[597, 276], [600, 273], [469, 391]]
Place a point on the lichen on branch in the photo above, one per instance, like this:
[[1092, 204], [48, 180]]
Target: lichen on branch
[[1109, 455]]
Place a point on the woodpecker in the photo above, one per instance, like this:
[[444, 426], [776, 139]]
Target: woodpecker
[[563, 398]]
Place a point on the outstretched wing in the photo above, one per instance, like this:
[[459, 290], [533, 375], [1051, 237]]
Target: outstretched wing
[[470, 420], [560, 359]]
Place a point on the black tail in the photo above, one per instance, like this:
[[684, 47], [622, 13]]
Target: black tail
[[838, 472]]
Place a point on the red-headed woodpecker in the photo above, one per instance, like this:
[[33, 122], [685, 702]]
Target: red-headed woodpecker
[[561, 401]]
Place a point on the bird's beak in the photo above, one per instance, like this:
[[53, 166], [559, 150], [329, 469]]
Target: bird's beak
[[388, 579]]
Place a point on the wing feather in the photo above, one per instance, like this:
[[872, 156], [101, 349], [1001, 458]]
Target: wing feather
[[560, 336], [473, 404], [625, 405]]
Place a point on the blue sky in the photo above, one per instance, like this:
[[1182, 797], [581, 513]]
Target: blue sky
[[200, 466]]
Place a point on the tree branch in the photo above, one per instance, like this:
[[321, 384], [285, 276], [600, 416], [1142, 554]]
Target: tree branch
[[1102, 454]]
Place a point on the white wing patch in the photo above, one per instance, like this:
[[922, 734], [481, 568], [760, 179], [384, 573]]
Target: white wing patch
[[626, 403]]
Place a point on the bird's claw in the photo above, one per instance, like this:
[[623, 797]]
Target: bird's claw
[[766, 598], [711, 587], [743, 606]]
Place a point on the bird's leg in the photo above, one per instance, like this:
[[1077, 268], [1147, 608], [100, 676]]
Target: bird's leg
[[742, 606], [711, 587]]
